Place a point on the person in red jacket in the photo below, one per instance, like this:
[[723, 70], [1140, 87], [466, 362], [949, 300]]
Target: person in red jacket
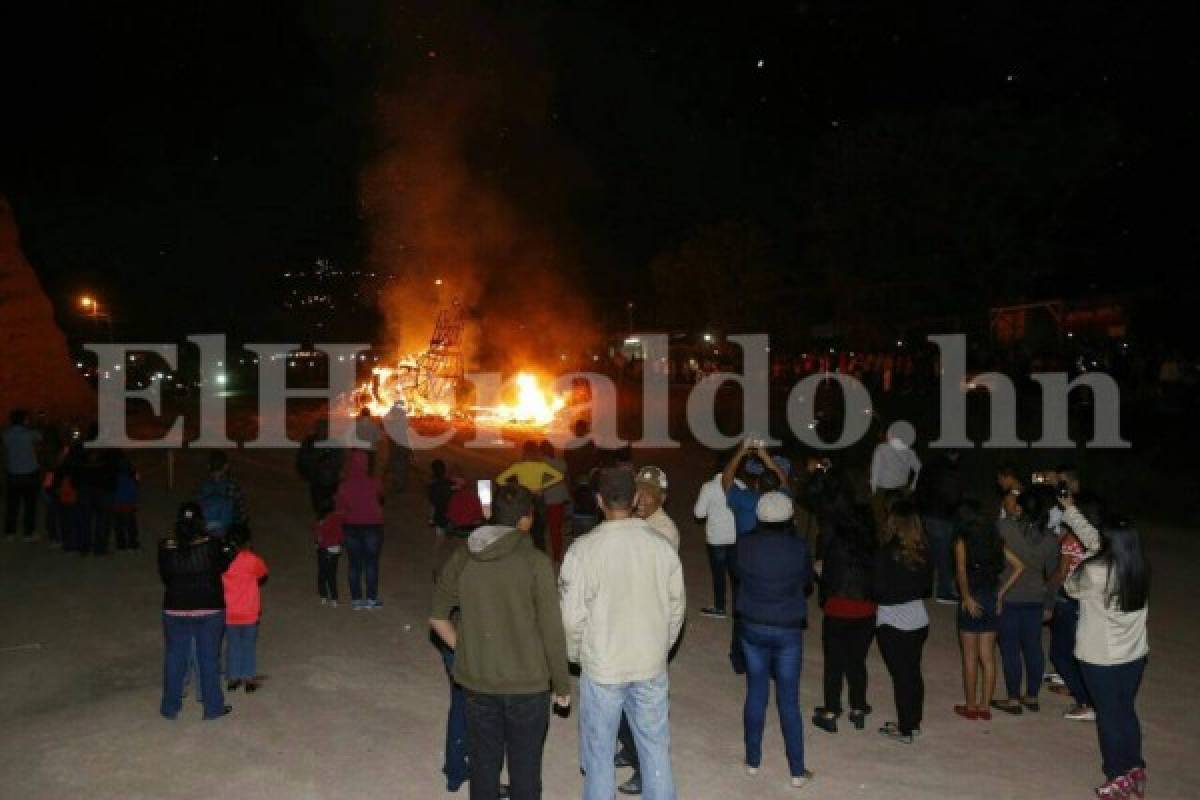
[[329, 536], [243, 607]]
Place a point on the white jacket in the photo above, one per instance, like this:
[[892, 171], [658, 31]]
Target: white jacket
[[712, 506], [1106, 635], [623, 601]]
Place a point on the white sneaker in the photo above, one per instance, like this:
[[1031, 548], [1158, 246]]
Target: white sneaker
[[333, 603], [1053, 679], [324, 601], [800, 781], [1080, 714]]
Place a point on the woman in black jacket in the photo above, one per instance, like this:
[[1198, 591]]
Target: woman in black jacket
[[902, 578], [845, 553], [190, 565]]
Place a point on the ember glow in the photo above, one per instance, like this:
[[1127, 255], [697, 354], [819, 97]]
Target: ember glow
[[527, 402], [533, 405]]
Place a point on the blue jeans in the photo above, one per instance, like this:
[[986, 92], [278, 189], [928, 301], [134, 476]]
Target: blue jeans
[[239, 652], [1020, 638], [180, 633], [773, 653], [1114, 690], [646, 705], [455, 766], [941, 546], [1062, 648], [363, 543]]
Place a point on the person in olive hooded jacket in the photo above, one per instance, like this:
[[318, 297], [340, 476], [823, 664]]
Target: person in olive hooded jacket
[[510, 648]]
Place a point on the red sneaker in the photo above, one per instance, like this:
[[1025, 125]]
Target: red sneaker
[[1137, 781], [1116, 789]]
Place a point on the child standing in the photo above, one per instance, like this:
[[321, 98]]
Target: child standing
[[125, 500], [243, 607], [329, 535]]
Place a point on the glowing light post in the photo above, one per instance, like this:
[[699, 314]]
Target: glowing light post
[[90, 307]]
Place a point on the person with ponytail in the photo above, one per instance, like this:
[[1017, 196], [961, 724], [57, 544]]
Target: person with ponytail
[[1112, 586]]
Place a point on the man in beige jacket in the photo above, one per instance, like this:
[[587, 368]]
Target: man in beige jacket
[[623, 606]]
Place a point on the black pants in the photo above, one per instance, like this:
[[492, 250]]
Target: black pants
[[22, 496], [126, 527], [845, 643], [512, 725], [902, 653], [327, 563], [722, 560]]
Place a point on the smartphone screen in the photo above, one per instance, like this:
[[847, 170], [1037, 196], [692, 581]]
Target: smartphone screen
[[484, 490]]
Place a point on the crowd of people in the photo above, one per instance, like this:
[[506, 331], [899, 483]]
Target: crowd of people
[[1044, 553], [513, 607], [85, 498]]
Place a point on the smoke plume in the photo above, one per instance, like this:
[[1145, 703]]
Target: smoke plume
[[468, 188]]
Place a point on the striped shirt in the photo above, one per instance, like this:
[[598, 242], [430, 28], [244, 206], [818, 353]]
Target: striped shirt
[[910, 616]]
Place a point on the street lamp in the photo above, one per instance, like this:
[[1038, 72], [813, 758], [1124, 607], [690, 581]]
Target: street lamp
[[91, 307]]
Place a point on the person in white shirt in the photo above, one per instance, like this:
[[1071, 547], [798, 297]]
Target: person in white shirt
[[894, 471], [720, 533], [1112, 586], [894, 465], [652, 493], [623, 606]]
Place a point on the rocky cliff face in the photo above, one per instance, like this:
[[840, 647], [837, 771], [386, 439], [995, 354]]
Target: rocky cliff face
[[36, 372]]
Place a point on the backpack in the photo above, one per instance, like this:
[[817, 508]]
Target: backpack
[[216, 503]]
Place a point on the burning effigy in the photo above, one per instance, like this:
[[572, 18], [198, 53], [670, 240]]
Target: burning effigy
[[430, 386]]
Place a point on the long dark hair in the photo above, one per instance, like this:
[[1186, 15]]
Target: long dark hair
[[832, 498], [1035, 514], [1128, 581]]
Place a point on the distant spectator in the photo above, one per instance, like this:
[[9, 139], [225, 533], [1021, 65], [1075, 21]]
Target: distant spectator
[[939, 493], [21, 466], [221, 498], [360, 499], [465, 511], [555, 499], [320, 466], [440, 491], [720, 536], [125, 505]]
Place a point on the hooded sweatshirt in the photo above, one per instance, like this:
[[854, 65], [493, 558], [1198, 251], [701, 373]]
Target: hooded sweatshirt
[[510, 632], [358, 494]]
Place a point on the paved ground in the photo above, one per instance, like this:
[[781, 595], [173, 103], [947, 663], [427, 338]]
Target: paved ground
[[355, 704]]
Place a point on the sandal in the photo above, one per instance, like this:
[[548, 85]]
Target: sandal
[[966, 712]]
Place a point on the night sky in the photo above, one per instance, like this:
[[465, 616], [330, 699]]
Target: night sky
[[177, 159]]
